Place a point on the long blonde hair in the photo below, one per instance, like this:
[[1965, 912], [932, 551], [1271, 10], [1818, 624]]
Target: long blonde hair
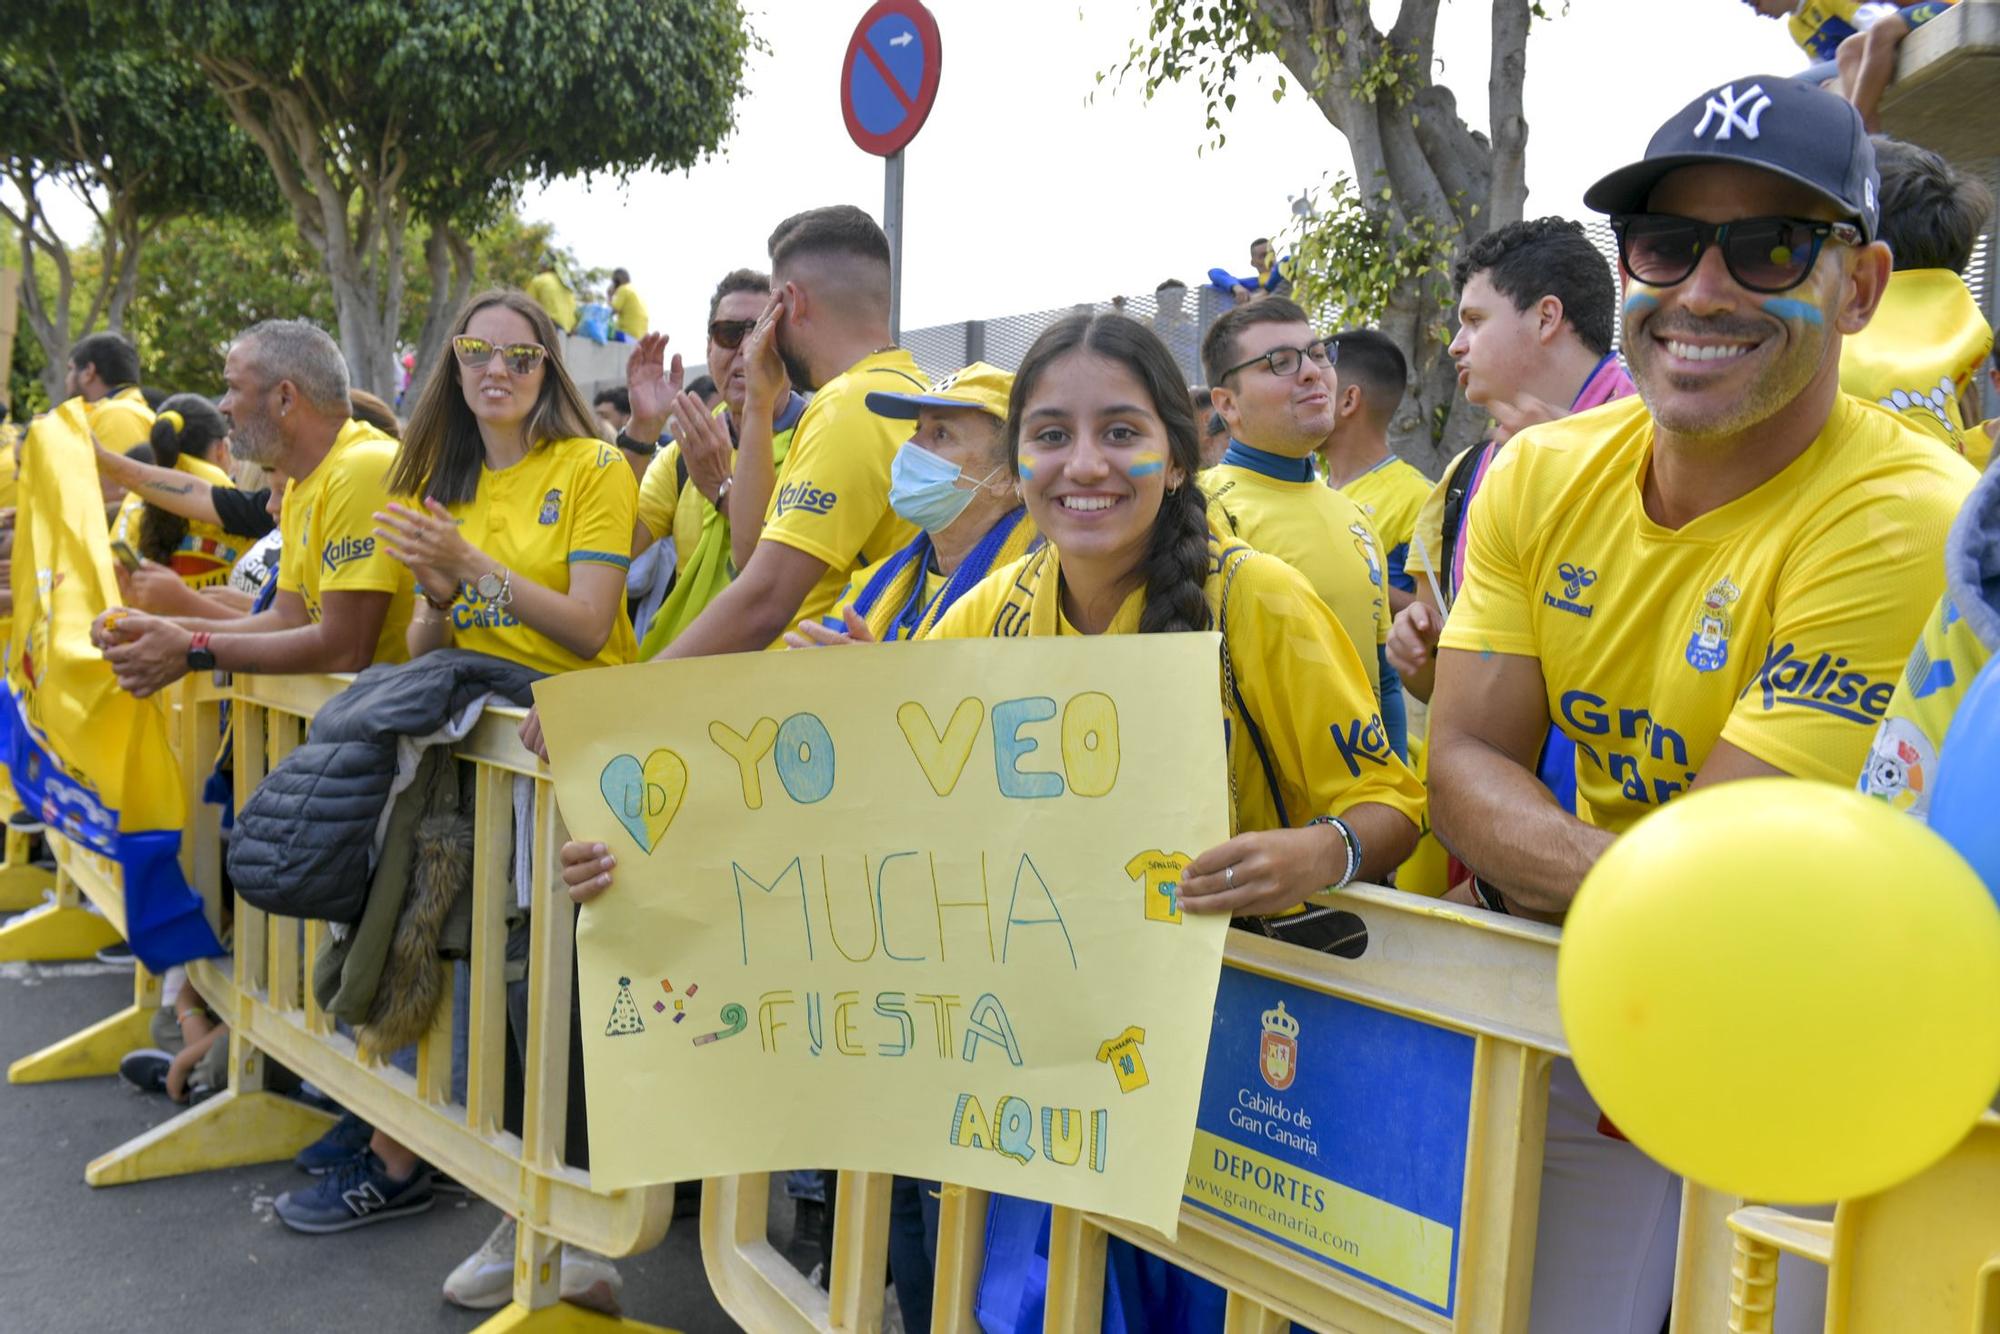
[[441, 454]]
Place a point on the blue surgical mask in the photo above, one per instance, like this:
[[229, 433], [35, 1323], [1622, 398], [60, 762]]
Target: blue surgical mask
[[923, 488]]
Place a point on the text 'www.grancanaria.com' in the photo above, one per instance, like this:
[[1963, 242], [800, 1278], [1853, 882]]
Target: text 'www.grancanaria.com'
[[1287, 1224]]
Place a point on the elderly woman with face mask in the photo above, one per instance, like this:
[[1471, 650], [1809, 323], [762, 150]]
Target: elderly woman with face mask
[[952, 480]]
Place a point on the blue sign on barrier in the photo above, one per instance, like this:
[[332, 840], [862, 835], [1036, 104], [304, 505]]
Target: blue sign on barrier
[[890, 76], [1338, 1131]]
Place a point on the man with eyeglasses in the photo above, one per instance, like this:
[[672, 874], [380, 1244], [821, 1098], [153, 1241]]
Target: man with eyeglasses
[[686, 490], [1271, 379], [1717, 581]]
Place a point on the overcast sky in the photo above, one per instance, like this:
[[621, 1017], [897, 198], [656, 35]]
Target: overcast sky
[[1022, 194]]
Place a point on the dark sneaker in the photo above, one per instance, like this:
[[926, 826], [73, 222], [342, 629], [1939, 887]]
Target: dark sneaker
[[344, 1138], [22, 822], [146, 1069], [358, 1192], [118, 952]]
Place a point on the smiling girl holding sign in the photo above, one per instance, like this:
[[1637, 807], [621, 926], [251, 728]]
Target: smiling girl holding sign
[[1104, 444]]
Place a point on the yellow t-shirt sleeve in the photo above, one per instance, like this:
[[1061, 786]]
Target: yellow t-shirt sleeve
[[1427, 531], [352, 559], [1494, 612], [660, 492], [607, 496], [1311, 698], [1902, 765], [834, 487]]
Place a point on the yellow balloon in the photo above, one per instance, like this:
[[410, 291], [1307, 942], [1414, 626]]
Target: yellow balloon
[[1784, 990]]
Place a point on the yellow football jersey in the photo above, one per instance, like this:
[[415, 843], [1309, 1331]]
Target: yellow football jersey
[[1391, 494], [568, 503], [1902, 765], [1302, 684], [1321, 533], [1776, 623], [668, 506], [886, 593], [631, 312], [122, 420], [1920, 352], [329, 543], [831, 500]]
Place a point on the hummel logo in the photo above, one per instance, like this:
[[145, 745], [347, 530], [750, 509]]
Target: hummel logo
[[1575, 578], [1729, 107]]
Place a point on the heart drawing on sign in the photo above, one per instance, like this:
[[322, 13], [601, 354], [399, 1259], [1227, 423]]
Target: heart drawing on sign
[[645, 797]]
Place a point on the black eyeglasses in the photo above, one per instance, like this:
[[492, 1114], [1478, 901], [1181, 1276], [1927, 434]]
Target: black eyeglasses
[[1762, 254], [1285, 360], [518, 358], [730, 333]]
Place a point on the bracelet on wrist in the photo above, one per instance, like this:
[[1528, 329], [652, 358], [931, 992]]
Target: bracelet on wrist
[[1351, 842]]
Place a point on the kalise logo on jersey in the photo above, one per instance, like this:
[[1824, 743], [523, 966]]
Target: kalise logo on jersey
[[345, 550], [1819, 681], [1363, 740], [807, 497]]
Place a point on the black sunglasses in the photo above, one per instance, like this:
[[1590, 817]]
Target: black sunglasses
[[730, 333], [1762, 254]]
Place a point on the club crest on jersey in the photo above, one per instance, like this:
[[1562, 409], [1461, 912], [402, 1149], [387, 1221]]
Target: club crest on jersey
[[1575, 579], [551, 506], [1708, 646], [1902, 765], [1364, 542]]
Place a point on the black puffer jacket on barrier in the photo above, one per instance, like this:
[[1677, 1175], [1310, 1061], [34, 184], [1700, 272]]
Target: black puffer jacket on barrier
[[305, 843]]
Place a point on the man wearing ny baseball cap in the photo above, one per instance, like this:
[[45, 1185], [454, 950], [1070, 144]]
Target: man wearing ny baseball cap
[[951, 480], [1716, 580]]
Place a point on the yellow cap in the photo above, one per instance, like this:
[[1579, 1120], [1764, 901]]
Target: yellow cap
[[976, 386]]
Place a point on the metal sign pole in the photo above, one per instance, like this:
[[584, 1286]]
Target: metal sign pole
[[892, 224]]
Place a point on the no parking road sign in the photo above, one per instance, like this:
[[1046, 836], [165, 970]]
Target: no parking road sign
[[890, 76]]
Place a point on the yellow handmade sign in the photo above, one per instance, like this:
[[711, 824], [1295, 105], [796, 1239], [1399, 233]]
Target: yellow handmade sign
[[905, 909]]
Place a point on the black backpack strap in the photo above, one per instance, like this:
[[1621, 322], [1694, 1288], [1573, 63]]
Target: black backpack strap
[[1455, 490]]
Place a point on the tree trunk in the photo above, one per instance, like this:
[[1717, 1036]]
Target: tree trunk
[[453, 267]]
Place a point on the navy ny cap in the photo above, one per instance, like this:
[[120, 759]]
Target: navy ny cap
[[1800, 132]]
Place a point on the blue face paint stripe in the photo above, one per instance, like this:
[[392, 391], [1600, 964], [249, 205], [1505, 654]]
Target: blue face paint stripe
[[1145, 469], [1639, 301], [1790, 308]]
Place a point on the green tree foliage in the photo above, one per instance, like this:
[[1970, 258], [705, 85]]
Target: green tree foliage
[[132, 134], [204, 282], [1376, 247], [375, 115]]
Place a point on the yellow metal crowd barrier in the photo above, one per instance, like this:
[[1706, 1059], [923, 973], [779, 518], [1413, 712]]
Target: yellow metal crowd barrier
[[1922, 1256], [263, 992]]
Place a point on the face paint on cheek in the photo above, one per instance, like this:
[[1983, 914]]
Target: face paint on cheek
[[1793, 311], [1639, 303], [1027, 470], [1146, 463]]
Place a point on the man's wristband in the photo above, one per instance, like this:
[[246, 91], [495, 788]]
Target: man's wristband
[[645, 449], [200, 658]]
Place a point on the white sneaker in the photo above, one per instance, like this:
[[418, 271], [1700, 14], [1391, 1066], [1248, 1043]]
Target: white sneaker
[[484, 1280], [590, 1280]]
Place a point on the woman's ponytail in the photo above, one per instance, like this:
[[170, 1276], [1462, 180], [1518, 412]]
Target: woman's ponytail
[[186, 425]]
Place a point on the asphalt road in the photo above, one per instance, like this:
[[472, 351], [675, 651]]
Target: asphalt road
[[204, 1252]]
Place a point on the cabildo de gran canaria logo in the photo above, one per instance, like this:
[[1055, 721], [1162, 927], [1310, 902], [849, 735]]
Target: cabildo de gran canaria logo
[[1575, 579], [346, 550], [1278, 1053], [805, 496], [1817, 681]]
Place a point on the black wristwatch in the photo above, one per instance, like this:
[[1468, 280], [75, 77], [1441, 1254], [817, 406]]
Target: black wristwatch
[[645, 449], [200, 657]]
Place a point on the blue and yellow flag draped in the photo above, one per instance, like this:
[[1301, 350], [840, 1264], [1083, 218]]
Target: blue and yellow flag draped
[[90, 759]]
